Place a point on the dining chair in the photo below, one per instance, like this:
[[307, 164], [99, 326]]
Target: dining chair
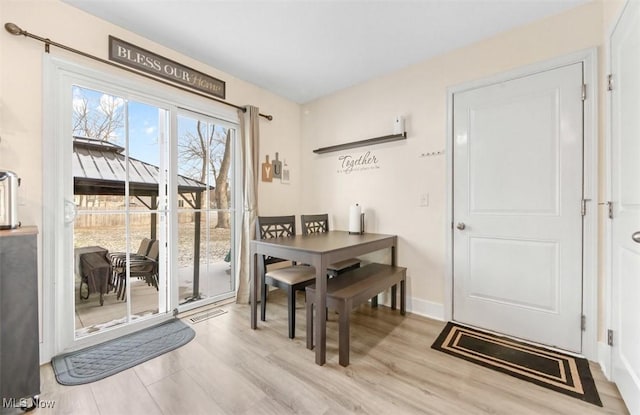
[[289, 278], [320, 223]]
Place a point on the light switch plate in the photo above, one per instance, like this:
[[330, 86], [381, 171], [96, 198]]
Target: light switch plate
[[424, 200]]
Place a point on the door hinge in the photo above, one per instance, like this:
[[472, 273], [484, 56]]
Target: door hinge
[[583, 322], [610, 82], [584, 92], [583, 206], [610, 337]]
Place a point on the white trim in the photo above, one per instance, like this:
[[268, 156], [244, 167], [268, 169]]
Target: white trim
[[49, 124], [605, 356], [426, 308], [590, 222], [448, 223], [590, 189], [173, 231], [604, 359], [418, 306]]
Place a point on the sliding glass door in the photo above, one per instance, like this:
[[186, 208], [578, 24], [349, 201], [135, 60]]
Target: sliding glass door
[[141, 193], [119, 169], [206, 154]]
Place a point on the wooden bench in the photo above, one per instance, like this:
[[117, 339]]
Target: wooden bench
[[350, 290]]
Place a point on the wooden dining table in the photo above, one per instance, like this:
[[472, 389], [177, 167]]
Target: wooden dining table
[[318, 250]]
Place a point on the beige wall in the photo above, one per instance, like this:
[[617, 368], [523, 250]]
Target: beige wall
[[392, 193], [21, 98]]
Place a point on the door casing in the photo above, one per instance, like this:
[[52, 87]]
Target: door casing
[[590, 187], [611, 356]]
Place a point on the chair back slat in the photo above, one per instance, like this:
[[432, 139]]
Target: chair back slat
[[268, 227], [314, 223], [275, 226]]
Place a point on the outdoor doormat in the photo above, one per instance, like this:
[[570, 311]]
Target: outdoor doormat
[[106, 359], [554, 370]]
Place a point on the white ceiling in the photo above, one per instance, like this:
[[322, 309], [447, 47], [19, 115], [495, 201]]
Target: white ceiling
[[306, 49]]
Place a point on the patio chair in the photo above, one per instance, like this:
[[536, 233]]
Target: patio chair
[[290, 278], [320, 223], [145, 267], [118, 259]]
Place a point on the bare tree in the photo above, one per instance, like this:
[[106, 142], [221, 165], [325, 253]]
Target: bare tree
[[99, 119], [221, 192], [195, 149], [101, 122], [192, 152]]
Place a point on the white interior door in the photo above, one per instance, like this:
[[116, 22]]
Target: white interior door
[[625, 175], [517, 192]]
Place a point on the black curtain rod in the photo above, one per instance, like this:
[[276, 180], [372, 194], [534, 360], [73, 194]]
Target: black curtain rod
[[16, 30]]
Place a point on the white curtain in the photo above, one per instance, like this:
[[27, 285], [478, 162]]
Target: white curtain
[[249, 136]]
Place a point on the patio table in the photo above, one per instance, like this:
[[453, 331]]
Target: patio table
[[93, 265]]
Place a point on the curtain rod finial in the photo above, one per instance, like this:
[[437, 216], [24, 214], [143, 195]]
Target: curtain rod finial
[[13, 28]]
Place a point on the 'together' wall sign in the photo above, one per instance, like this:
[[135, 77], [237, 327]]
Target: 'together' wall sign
[[349, 163]]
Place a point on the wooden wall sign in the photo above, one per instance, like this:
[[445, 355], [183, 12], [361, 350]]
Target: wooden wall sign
[[267, 171], [277, 167], [143, 60], [285, 173]]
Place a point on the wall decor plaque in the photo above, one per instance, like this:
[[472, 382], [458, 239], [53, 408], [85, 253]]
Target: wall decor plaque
[[267, 171], [143, 60]]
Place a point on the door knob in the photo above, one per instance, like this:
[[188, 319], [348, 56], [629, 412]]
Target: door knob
[[461, 225], [636, 237]]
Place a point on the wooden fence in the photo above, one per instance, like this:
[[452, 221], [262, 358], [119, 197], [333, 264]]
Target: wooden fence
[[101, 220]]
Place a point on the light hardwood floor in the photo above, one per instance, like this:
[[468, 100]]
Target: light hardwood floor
[[230, 369]]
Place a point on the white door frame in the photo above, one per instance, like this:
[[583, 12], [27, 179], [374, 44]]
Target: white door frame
[[604, 350], [590, 187]]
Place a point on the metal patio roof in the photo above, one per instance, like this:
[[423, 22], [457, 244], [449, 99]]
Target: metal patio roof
[[99, 168]]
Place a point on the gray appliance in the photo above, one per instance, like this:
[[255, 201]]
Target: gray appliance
[[9, 183], [19, 333]]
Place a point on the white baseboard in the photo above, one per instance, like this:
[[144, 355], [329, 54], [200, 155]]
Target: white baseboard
[[426, 308], [417, 306], [604, 359]]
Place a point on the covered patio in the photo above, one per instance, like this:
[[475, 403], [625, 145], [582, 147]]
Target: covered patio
[[100, 171]]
